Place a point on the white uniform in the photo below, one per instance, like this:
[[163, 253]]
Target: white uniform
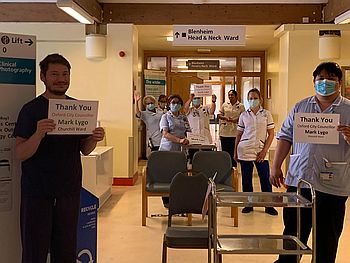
[[229, 129], [199, 119], [254, 128]]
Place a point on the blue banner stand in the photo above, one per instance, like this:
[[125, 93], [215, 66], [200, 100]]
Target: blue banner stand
[[87, 228]]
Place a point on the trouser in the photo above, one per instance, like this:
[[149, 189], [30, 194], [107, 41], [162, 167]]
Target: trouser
[[49, 225], [263, 172], [228, 145], [330, 212]]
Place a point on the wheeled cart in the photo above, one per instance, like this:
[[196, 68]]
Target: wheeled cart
[[262, 244]]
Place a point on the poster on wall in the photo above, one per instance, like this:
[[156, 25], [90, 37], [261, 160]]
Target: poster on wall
[[155, 82], [17, 86]]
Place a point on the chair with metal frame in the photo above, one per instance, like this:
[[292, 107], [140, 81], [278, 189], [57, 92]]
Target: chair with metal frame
[[187, 195], [157, 175], [218, 163]]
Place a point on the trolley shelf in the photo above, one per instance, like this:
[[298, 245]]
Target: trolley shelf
[[261, 244], [259, 199]]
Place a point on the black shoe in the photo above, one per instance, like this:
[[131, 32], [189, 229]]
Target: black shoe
[[271, 211], [247, 210]]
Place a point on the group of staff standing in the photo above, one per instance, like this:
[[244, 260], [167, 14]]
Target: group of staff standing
[[245, 134]]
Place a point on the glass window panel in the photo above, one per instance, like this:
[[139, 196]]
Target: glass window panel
[[227, 64], [251, 64], [249, 83], [257, 64], [216, 89], [156, 63]]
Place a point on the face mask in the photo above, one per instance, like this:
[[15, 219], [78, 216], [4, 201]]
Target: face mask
[[162, 104], [151, 106], [175, 107], [196, 102], [325, 87], [253, 103]]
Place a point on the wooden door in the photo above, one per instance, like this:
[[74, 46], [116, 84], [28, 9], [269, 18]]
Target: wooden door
[[181, 84]]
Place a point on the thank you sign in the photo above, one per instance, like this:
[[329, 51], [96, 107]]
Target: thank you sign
[[317, 128], [208, 35], [73, 116], [202, 90]]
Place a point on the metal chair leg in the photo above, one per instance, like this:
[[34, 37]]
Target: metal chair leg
[[164, 253]]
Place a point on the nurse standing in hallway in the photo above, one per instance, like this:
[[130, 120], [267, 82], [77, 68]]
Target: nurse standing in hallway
[[151, 117], [228, 116], [199, 116], [254, 137], [174, 125], [162, 103]]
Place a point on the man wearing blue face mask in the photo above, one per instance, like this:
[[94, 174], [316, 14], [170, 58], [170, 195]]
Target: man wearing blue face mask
[[326, 166], [151, 117]]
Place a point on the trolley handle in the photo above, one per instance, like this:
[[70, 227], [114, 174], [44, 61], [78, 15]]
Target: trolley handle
[[312, 189]]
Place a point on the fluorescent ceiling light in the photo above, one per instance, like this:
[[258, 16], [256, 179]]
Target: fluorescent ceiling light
[[344, 18], [170, 39], [74, 10]]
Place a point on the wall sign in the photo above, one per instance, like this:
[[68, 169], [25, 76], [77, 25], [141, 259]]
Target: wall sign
[[208, 35], [17, 86], [155, 81], [203, 64]]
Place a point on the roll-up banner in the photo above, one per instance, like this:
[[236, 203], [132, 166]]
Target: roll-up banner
[[17, 86]]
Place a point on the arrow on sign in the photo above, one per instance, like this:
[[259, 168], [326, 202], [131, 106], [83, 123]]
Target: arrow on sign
[[29, 41], [177, 34]]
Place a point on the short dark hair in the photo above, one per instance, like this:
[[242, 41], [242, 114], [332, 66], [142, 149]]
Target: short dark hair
[[254, 90], [234, 92], [53, 59], [330, 67], [175, 96]]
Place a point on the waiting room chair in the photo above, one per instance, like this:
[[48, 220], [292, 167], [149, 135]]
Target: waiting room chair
[[161, 167], [219, 163], [187, 195]]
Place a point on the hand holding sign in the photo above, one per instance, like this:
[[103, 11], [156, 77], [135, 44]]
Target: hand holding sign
[[345, 130], [43, 126], [98, 134]]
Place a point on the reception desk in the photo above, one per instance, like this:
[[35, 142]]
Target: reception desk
[[98, 172]]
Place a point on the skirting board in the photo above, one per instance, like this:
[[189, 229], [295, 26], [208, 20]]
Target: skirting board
[[125, 181]]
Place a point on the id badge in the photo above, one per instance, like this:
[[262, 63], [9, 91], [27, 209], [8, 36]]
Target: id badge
[[326, 176]]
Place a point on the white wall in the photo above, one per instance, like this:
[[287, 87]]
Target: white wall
[[297, 58], [272, 73], [110, 81]]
